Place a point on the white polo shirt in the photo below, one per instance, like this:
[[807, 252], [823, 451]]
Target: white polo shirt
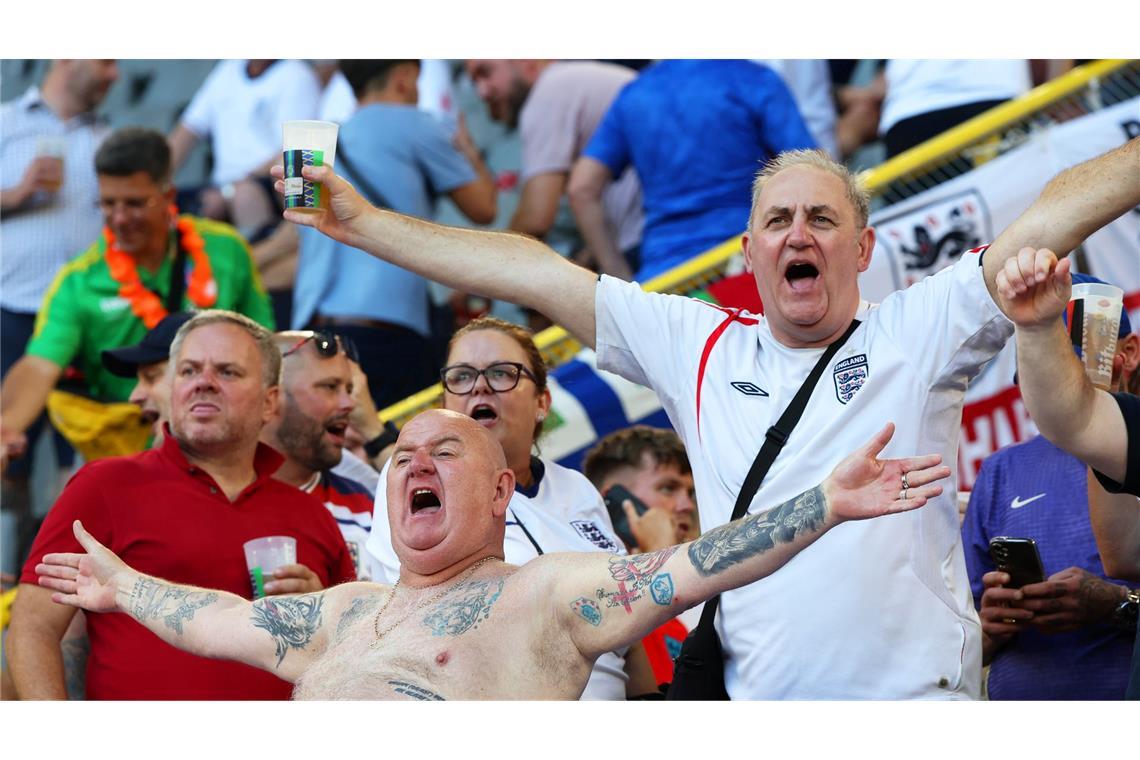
[[566, 514], [874, 609]]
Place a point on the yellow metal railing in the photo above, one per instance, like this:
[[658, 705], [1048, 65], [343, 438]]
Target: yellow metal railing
[[557, 345]]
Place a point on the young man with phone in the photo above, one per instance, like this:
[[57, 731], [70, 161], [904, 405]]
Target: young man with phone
[[1056, 637], [643, 474]]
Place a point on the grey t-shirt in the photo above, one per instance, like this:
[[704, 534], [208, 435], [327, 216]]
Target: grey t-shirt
[[563, 109]]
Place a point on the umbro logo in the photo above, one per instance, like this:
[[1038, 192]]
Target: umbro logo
[[749, 389], [1018, 502]]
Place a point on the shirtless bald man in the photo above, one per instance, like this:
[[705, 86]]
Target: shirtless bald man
[[460, 623]]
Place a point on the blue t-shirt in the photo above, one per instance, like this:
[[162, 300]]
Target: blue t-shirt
[[1036, 490], [407, 155], [696, 132]]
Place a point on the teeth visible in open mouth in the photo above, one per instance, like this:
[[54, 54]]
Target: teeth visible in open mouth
[[423, 498]]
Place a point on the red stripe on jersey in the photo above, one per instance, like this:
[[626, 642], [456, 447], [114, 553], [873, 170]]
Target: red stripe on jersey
[[733, 316]]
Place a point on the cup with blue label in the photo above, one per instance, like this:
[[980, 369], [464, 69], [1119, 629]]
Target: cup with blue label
[[264, 555], [307, 143]]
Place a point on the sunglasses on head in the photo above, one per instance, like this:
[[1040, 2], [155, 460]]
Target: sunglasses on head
[[327, 344]]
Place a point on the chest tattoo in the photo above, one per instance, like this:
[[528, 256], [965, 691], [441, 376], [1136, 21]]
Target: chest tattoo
[[464, 608]]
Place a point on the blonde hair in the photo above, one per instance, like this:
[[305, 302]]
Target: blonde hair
[[270, 355], [817, 159]]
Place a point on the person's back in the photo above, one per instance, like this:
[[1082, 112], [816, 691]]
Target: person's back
[[696, 131]]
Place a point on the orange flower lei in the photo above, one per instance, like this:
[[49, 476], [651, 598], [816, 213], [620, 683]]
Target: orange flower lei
[[202, 289]]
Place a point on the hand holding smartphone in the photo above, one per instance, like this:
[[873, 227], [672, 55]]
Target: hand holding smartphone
[[1019, 558], [614, 497]]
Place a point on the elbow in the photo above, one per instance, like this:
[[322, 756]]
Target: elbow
[[1123, 568], [582, 194], [485, 212]]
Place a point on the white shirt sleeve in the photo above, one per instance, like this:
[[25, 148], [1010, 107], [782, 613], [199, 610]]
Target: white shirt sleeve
[[651, 338], [199, 116], [947, 323]]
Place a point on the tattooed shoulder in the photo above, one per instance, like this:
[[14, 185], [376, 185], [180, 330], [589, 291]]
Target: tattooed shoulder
[[290, 620]]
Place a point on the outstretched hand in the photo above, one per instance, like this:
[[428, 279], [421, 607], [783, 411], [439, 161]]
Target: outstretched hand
[[1034, 287], [863, 486], [89, 581], [345, 208]]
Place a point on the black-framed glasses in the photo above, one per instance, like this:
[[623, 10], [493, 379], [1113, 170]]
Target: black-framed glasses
[[327, 344], [460, 379]]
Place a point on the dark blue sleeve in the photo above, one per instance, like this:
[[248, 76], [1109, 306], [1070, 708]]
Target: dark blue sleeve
[[976, 528], [1130, 410], [775, 113], [610, 144]]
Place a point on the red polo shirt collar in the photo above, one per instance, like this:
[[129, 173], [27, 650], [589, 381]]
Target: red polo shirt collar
[[266, 461]]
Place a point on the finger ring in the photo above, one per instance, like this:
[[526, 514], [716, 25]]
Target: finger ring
[[905, 484], [1011, 621], [902, 495]]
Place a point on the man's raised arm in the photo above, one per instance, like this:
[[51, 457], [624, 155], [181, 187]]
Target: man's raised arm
[[1073, 205], [281, 634], [498, 265], [604, 604]]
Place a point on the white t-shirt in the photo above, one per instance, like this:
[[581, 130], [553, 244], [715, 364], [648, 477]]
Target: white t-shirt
[[919, 86], [874, 609], [243, 116], [567, 514]]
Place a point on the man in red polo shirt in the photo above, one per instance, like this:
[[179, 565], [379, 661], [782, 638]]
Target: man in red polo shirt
[[182, 510]]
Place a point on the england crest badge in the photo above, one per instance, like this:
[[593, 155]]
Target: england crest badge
[[849, 376], [590, 531]]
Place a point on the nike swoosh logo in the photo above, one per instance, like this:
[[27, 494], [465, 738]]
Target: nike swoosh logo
[[1018, 503]]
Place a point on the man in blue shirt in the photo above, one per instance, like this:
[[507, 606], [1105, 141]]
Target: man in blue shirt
[[401, 158], [696, 132], [1036, 490]]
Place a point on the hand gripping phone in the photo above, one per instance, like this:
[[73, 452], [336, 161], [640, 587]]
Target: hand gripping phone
[[1019, 558], [614, 498]]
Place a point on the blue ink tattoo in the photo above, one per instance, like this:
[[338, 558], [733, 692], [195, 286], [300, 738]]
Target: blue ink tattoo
[[662, 589], [588, 610]]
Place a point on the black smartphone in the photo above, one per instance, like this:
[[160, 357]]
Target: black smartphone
[[614, 498], [1019, 558]]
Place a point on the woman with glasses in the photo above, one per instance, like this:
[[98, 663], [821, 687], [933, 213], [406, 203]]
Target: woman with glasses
[[495, 374]]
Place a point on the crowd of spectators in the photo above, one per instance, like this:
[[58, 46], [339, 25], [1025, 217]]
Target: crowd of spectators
[[141, 316]]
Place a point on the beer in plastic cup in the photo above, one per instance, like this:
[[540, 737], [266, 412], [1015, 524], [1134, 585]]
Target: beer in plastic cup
[[307, 143], [264, 555], [54, 149], [1094, 319]]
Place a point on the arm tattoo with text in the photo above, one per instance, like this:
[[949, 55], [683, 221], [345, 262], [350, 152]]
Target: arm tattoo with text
[[290, 620], [739, 540], [464, 608], [357, 610], [151, 600]]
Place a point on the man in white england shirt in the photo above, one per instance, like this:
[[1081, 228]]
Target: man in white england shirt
[[874, 611]]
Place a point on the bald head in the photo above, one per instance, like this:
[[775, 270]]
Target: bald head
[[446, 423]]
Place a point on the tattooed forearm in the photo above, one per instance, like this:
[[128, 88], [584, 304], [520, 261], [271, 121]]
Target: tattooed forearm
[[463, 608], [75, 653], [151, 600], [640, 567], [730, 544], [356, 611], [290, 620], [415, 692]]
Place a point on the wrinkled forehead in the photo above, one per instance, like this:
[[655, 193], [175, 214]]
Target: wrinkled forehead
[[220, 343], [436, 425], [805, 187]]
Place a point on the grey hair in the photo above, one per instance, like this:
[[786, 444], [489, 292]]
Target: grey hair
[[270, 355], [817, 159]]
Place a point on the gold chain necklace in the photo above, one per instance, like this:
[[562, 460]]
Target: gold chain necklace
[[420, 605]]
